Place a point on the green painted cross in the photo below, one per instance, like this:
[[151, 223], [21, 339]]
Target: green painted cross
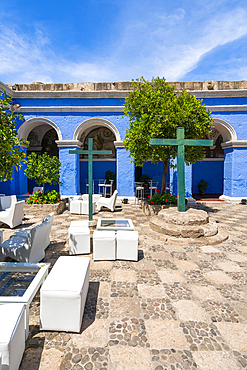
[[181, 142], [90, 153]]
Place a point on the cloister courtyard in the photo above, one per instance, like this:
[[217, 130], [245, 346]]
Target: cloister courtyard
[[178, 307]]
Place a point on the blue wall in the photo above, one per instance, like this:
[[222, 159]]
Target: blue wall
[[154, 171], [235, 172], [99, 170], [210, 171]]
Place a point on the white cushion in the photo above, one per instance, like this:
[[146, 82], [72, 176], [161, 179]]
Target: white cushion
[[127, 245], [63, 294], [104, 245], [12, 334], [79, 240], [84, 223]]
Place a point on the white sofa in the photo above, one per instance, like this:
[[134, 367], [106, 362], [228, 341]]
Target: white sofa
[[11, 211], [108, 202], [12, 334], [27, 245], [63, 294]]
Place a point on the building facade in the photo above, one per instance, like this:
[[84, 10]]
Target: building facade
[[61, 117]]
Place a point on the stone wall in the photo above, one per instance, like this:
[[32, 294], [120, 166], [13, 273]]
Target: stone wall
[[44, 209]]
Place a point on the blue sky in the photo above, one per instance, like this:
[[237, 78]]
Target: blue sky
[[111, 40]]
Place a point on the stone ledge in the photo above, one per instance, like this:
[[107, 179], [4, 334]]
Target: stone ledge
[[44, 209]]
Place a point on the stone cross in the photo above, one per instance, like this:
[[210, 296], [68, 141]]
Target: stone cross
[[90, 153], [181, 142]]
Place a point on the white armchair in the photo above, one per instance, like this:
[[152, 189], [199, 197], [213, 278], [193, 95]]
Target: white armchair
[[13, 215], [26, 246], [108, 202]]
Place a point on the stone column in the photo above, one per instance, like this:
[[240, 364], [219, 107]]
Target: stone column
[[235, 170], [70, 170], [125, 172]]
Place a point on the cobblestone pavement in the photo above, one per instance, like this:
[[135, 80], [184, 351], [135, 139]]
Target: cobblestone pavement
[[178, 307]]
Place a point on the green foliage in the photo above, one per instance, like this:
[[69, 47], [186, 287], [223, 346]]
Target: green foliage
[[155, 110], [202, 186], [163, 198], [145, 179], [110, 175], [11, 154], [43, 169], [48, 197]]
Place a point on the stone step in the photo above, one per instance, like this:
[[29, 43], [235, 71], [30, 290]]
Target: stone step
[[185, 231], [190, 217], [218, 238]]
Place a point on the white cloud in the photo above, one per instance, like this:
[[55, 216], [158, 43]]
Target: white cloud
[[164, 44]]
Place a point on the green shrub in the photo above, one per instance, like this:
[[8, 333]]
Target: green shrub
[[164, 197], [48, 197]]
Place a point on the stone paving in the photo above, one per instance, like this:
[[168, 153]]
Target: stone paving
[[179, 307]]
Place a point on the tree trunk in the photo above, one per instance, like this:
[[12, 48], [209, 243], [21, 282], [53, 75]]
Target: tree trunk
[[165, 164]]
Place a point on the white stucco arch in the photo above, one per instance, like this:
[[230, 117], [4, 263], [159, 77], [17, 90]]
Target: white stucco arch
[[92, 123], [31, 123], [227, 131]]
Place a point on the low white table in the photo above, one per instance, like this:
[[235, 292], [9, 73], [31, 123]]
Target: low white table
[[19, 282], [115, 224]]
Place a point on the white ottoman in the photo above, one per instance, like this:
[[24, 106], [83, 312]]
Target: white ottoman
[[12, 335], [83, 223], [79, 240], [127, 245], [104, 245], [75, 206], [84, 207], [63, 294]]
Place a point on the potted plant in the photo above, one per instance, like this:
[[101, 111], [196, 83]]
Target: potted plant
[[202, 187], [145, 179], [110, 175]]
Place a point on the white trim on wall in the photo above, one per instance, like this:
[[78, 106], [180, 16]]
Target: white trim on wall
[[67, 109], [31, 123], [92, 123]]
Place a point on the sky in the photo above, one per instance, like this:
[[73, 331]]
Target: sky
[[111, 40]]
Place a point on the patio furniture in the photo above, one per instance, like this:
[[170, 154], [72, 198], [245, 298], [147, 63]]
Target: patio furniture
[[101, 186], [27, 246], [80, 207], [49, 218], [104, 245], [63, 294], [109, 187], [115, 224], [139, 191], [12, 335], [28, 277], [79, 238], [108, 202], [87, 185], [153, 186], [11, 211], [127, 245], [38, 188], [96, 197]]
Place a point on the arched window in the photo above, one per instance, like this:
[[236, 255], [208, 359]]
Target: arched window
[[216, 150], [103, 139]]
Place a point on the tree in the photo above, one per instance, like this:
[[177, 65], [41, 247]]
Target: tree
[[11, 153], [155, 110], [43, 169]]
